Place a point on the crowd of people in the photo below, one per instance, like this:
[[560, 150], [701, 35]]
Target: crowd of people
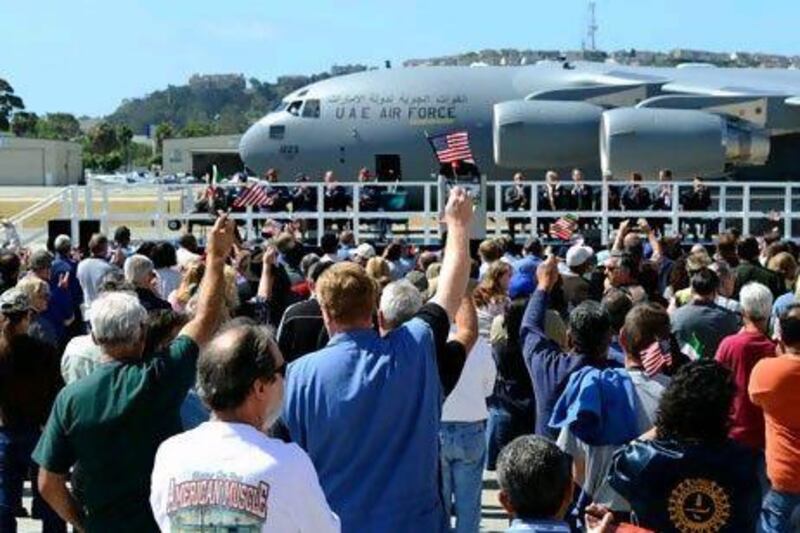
[[273, 386]]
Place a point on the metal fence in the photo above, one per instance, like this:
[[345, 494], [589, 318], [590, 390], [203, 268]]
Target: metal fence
[[408, 208]]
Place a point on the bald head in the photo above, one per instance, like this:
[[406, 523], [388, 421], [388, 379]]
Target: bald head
[[233, 360]]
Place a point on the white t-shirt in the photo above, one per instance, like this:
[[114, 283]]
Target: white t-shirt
[[81, 357], [232, 475], [168, 281], [90, 273], [467, 402]]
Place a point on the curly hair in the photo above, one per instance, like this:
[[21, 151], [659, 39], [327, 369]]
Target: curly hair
[[696, 405]]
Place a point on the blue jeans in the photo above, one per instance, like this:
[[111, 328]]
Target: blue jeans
[[776, 511], [503, 428], [16, 447], [462, 456]]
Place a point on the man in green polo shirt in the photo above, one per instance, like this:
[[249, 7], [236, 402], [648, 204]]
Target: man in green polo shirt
[[112, 421]]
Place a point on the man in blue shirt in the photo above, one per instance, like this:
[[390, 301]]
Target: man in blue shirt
[[588, 335], [367, 408]]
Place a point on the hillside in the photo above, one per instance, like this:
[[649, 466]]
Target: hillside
[[213, 104]]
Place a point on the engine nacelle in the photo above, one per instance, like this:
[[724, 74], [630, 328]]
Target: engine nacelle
[[688, 142], [543, 134]]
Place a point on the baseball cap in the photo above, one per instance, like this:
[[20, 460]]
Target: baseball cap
[[521, 285], [364, 250], [14, 301], [578, 255]]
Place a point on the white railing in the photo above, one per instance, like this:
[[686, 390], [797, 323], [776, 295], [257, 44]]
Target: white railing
[[744, 205], [31, 230]]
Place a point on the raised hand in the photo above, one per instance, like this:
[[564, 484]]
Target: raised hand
[[547, 274], [221, 237], [458, 210]]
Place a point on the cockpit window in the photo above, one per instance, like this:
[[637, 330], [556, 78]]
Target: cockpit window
[[294, 107], [311, 109], [280, 106]]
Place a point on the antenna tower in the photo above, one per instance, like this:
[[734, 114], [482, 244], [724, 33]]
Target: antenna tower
[[591, 27]]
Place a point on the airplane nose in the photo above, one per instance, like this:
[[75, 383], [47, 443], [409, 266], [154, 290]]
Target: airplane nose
[[255, 148]]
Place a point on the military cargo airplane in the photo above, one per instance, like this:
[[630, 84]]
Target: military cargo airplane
[[607, 118]]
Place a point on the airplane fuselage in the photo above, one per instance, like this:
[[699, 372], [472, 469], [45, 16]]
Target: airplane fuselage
[[381, 119]]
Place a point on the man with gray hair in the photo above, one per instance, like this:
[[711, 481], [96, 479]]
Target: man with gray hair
[[400, 301], [112, 421], [240, 377], [141, 273], [740, 353]]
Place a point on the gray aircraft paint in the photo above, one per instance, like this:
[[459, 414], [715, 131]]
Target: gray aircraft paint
[[391, 111]]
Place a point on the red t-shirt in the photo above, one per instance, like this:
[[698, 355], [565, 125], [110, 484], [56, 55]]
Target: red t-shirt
[[740, 353]]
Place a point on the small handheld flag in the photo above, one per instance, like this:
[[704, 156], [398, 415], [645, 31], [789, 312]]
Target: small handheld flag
[[254, 195], [450, 148], [564, 227], [655, 357]]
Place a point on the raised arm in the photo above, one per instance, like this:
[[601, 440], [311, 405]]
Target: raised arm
[[210, 300], [267, 280], [533, 320], [456, 263], [655, 242], [620, 238], [466, 324]]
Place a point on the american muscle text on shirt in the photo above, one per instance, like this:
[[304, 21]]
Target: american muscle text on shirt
[[217, 492]]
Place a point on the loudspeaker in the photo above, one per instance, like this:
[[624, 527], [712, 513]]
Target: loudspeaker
[[63, 226], [56, 227], [87, 228]]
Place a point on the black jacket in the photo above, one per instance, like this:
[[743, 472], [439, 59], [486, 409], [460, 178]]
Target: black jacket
[[302, 330]]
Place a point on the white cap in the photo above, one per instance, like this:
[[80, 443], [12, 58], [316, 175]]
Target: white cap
[[364, 250], [578, 255]]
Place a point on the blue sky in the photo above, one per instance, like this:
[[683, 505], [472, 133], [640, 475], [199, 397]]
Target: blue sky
[[85, 56]]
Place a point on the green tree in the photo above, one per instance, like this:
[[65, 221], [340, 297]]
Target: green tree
[[59, 126], [125, 138], [24, 124], [103, 139], [163, 131], [9, 102], [198, 129]]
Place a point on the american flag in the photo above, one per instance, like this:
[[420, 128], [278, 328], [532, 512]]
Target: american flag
[[452, 147], [255, 195], [564, 227], [655, 357]]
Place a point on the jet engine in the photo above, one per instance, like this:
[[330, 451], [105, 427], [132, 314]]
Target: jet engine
[[544, 134], [686, 141]]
